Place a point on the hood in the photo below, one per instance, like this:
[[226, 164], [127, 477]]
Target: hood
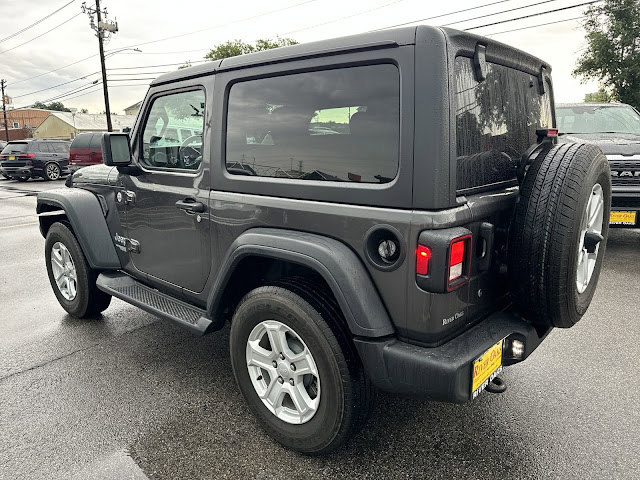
[[609, 143]]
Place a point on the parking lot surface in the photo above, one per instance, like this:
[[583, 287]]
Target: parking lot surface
[[129, 396]]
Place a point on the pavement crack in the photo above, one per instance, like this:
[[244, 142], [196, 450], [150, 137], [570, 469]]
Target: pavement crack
[[61, 357], [49, 361]]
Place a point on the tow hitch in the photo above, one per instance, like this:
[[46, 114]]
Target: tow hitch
[[497, 385]]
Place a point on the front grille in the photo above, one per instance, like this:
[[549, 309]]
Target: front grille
[[625, 172]]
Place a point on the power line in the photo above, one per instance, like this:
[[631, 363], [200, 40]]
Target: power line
[[51, 71], [534, 26], [54, 86], [534, 15], [42, 34], [344, 18], [253, 17], [155, 66], [500, 13], [442, 15], [36, 23]]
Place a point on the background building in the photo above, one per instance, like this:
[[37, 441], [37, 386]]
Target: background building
[[22, 122], [67, 125]]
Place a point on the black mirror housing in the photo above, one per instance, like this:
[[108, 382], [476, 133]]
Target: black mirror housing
[[116, 150]]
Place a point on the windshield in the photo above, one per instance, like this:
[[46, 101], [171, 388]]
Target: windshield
[[14, 148], [598, 119]]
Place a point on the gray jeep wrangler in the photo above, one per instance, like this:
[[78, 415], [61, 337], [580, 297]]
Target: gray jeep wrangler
[[387, 210]]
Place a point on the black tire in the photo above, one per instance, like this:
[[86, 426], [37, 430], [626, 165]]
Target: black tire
[[89, 301], [51, 171], [345, 392], [6, 176], [547, 230]]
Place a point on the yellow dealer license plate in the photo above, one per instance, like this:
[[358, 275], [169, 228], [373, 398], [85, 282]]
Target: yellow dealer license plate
[[622, 218], [486, 368], [12, 158]]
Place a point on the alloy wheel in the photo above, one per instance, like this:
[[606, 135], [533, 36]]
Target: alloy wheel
[[64, 271], [283, 372], [590, 237]]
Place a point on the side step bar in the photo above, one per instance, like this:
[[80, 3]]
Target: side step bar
[[165, 306]]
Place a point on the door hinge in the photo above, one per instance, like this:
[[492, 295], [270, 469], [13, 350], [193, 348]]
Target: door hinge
[[133, 246]]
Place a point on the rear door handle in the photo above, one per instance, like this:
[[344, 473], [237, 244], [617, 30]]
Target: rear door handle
[[190, 205]]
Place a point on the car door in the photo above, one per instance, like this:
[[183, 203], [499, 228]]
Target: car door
[[166, 194]]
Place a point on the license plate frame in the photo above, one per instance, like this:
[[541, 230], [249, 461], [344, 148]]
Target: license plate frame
[[623, 217], [485, 368], [12, 157]]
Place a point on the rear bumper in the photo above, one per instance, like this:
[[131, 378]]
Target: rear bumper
[[442, 373], [17, 171]]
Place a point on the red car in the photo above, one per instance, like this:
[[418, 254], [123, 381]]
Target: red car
[[85, 150]]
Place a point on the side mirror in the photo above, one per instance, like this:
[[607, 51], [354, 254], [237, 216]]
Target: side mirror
[[116, 151]]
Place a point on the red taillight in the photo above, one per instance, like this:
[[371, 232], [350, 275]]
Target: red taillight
[[28, 162], [459, 255], [552, 132], [28, 155], [423, 254]]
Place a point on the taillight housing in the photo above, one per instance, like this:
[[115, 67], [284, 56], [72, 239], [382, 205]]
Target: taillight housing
[[443, 259], [459, 262], [27, 155]]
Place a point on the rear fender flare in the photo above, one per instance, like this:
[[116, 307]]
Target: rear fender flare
[[340, 267], [86, 216]]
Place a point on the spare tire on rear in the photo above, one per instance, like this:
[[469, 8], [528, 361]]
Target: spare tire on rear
[[558, 236]]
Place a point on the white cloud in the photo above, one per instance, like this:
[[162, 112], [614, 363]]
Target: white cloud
[[142, 21]]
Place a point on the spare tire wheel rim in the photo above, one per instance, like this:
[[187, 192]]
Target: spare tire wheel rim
[[64, 271], [283, 372], [590, 237]]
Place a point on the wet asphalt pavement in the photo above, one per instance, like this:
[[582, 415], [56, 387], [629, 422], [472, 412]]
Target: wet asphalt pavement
[[130, 396]]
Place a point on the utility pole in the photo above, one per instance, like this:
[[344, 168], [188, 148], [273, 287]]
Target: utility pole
[[101, 27], [3, 82]]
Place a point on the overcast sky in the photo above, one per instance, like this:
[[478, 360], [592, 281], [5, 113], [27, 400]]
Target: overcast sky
[[199, 25]]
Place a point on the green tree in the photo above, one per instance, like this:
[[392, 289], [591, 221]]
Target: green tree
[[600, 96], [613, 49], [84, 110], [234, 48], [57, 106]]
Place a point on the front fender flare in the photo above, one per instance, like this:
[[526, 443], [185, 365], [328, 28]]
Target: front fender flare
[[339, 266], [86, 217]]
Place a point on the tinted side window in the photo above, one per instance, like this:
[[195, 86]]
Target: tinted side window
[[336, 125], [60, 147], [96, 142], [160, 145], [496, 121], [82, 141], [37, 147]]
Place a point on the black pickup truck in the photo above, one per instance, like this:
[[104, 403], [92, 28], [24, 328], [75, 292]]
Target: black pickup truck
[[615, 129], [388, 210]]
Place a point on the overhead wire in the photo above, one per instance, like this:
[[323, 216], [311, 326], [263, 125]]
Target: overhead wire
[[534, 15], [369, 10], [442, 15], [46, 17], [500, 13], [41, 35]]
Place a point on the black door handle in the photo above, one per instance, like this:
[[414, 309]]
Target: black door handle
[[190, 205]]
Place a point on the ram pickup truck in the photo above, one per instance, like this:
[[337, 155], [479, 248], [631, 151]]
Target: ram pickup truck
[[615, 129], [385, 211]]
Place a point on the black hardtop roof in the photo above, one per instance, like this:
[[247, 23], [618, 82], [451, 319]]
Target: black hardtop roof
[[361, 41]]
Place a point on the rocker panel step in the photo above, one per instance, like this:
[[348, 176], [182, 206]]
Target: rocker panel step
[[124, 287]]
